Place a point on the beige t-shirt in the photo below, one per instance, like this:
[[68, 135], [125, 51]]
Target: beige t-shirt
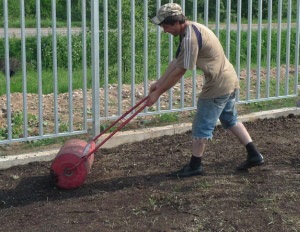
[[220, 75]]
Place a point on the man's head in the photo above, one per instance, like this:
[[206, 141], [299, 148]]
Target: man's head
[[169, 14]]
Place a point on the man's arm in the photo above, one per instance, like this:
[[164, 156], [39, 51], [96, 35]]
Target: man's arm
[[171, 76], [162, 79]]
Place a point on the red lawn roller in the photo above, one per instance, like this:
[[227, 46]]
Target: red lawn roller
[[74, 160]]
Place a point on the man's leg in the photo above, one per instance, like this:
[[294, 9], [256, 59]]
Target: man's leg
[[254, 158], [208, 112], [229, 121], [198, 148], [241, 133], [195, 165]]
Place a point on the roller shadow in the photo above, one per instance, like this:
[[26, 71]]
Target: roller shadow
[[42, 189]]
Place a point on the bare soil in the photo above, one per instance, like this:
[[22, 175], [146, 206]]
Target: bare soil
[[128, 188]]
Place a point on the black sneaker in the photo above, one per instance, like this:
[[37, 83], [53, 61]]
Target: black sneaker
[[251, 162], [188, 171]]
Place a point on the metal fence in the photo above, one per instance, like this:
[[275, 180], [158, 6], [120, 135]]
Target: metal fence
[[140, 52]]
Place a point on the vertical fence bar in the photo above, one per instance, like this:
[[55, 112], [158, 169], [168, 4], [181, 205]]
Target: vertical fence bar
[[238, 47], [145, 51], [158, 52], [132, 19], [170, 91], [54, 61], [7, 69], [206, 6], [171, 38], [194, 89], [84, 64], [70, 68], [39, 65], [95, 66], [258, 70], [288, 47], [24, 82], [105, 61], [249, 37], [182, 78], [206, 12], [228, 21], [278, 63], [296, 84], [270, 3], [218, 18], [120, 83]]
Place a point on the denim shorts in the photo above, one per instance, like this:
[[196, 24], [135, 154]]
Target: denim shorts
[[208, 113]]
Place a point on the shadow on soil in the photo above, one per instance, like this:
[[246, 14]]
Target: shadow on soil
[[42, 188]]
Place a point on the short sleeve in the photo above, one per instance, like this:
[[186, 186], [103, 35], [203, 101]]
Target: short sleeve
[[188, 53]]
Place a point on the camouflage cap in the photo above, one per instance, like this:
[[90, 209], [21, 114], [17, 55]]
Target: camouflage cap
[[169, 9]]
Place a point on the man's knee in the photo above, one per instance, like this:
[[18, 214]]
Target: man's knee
[[200, 140]]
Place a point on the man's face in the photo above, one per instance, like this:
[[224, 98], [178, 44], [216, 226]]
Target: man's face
[[172, 29]]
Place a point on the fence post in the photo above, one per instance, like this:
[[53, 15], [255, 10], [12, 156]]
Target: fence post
[[95, 66], [297, 51]]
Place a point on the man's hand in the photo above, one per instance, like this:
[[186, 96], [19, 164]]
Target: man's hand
[[152, 97], [153, 87], [167, 80], [153, 94]]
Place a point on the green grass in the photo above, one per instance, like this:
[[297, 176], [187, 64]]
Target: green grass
[[16, 83], [276, 88], [47, 81], [267, 105], [17, 125]]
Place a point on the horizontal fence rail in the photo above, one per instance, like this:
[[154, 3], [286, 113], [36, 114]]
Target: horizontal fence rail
[[68, 72]]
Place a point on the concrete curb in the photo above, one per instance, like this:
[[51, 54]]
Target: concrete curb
[[136, 136]]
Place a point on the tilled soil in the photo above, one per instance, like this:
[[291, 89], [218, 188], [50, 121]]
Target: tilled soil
[[128, 188]]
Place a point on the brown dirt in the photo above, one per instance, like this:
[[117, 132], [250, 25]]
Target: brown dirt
[[16, 103], [128, 188]]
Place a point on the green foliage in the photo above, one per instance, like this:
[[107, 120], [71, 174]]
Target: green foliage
[[42, 142], [45, 11], [168, 117], [62, 56], [268, 105], [244, 9], [63, 127], [17, 125], [264, 46], [127, 41], [76, 8]]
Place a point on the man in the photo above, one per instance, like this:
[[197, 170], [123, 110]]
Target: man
[[200, 48]]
